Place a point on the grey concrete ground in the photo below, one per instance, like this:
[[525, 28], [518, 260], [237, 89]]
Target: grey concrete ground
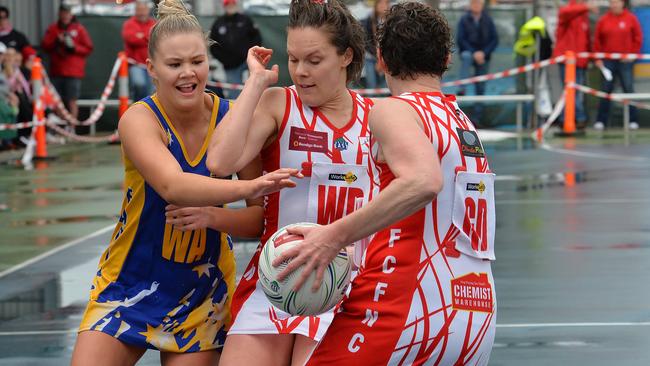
[[572, 268]]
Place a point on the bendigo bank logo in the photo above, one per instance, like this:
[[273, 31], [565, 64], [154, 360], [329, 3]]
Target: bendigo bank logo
[[348, 177]]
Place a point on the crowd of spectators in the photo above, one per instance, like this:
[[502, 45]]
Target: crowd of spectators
[[67, 45]]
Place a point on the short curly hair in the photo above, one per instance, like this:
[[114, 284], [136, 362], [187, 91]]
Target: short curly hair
[[344, 30], [414, 39]]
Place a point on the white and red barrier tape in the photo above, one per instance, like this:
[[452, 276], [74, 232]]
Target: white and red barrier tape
[[74, 137], [613, 56], [493, 76], [506, 73], [229, 86], [601, 94], [16, 126], [474, 79], [101, 106], [482, 78]]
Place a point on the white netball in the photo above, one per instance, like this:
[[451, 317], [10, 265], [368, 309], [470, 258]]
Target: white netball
[[302, 302]]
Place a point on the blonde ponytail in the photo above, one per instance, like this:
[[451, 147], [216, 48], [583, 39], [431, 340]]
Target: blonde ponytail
[[171, 8], [173, 18]]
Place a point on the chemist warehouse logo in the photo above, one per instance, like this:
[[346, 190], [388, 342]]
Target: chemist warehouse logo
[[472, 292], [477, 187], [348, 177]]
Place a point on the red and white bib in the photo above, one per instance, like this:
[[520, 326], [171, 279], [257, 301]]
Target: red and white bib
[[338, 179]]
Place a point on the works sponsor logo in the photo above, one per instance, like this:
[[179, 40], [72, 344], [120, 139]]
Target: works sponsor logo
[[348, 177], [476, 187]]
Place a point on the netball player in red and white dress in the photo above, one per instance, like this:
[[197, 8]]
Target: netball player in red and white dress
[[317, 125], [424, 294]]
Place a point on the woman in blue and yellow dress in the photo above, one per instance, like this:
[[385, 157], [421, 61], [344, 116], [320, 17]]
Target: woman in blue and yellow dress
[[162, 285]]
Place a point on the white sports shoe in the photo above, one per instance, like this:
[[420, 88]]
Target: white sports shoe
[[599, 126], [634, 126]]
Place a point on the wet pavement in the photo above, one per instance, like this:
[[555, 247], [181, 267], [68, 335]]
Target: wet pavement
[[572, 246]]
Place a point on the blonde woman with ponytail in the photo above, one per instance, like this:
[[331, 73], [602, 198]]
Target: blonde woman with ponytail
[[162, 283]]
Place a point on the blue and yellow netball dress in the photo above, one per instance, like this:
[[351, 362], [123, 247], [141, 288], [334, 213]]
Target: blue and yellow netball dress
[[158, 287]]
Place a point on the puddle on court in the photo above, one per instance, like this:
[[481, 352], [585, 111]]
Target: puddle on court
[[44, 296], [510, 144], [542, 344], [92, 188], [49, 296], [616, 246], [572, 178], [60, 220]]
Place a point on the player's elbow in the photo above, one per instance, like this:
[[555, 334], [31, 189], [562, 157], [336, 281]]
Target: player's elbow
[[171, 190], [218, 167], [424, 187], [170, 193], [428, 186], [220, 163], [211, 163]]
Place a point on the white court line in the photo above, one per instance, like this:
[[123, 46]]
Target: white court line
[[37, 332], [54, 251], [639, 159], [514, 325], [626, 201]]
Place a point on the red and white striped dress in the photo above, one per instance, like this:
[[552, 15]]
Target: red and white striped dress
[[424, 294], [335, 162]]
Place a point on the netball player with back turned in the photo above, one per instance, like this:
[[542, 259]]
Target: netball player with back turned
[[424, 294], [158, 287]]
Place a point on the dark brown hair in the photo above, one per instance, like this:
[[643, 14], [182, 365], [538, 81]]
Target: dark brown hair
[[414, 39], [344, 30]]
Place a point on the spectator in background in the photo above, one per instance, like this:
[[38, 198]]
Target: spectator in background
[[617, 31], [68, 44], [234, 33], [18, 81], [12, 38], [135, 33], [476, 39], [374, 77], [8, 107], [572, 34]]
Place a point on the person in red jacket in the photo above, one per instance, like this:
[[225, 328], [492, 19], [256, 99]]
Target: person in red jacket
[[68, 44], [572, 34], [135, 33], [617, 31]]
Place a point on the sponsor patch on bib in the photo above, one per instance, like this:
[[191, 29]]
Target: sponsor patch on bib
[[470, 145], [301, 139], [472, 292]]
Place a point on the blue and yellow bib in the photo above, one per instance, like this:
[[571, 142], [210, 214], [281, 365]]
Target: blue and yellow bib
[[158, 287]]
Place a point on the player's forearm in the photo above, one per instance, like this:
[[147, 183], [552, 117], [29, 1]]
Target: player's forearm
[[245, 222], [226, 153], [187, 189], [403, 197]]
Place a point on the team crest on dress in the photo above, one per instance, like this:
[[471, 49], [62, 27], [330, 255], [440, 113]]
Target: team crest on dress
[[340, 144]]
